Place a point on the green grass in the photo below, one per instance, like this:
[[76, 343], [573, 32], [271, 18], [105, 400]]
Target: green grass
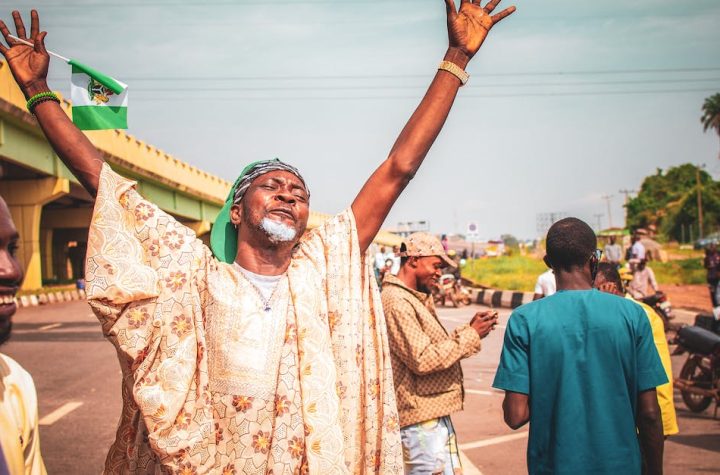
[[506, 272], [520, 272], [685, 271]]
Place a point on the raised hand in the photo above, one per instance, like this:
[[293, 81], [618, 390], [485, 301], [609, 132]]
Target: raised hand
[[469, 26], [29, 65]]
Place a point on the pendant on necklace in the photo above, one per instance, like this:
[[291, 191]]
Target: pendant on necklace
[[267, 308]]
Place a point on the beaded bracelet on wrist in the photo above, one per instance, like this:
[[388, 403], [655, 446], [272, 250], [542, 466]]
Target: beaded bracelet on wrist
[[41, 97]]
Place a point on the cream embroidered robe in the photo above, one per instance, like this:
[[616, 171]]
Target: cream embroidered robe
[[211, 384]]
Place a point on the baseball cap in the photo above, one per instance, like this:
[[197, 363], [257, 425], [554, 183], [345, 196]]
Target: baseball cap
[[425, 245]]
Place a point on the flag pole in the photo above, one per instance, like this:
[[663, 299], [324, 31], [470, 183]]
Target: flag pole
[[25, 42]]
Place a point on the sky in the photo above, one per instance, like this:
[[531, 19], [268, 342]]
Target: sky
[[568, 100]]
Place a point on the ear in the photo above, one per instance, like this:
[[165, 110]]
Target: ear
[[236, 215], [413, 262]]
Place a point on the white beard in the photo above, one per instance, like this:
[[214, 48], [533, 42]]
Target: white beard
[[277, 232]]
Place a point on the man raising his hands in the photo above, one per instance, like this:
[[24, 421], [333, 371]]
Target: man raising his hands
[[268, 353]]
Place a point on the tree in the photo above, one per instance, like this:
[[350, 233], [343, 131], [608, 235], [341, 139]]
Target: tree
[[711, 114], [669, 201]]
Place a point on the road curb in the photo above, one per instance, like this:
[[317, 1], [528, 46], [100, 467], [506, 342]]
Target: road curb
[[46, 298], [501, 298]]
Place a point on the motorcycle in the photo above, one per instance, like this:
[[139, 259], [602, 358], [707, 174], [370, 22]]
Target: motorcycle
[[659, 301], [662, 306], [699, 379], [449, 288]]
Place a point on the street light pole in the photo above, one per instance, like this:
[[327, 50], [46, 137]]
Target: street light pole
[[627, 200], [608, 198], [699, 200], [599, 222]]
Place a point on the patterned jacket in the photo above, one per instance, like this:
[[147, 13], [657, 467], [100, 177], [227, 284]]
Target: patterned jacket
[[425, 357]]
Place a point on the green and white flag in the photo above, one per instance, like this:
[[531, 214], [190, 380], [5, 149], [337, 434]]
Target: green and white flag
[[98, 101]]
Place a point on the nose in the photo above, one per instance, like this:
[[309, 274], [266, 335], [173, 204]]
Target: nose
[[11, 273], [286, 197]]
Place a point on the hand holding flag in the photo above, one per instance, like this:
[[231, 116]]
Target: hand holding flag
[[99, 101]]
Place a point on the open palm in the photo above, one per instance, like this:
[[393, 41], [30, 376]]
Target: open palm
[[469, 26], [28, 64]]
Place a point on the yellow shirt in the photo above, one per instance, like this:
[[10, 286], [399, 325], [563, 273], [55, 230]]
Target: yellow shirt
[[19, 436], [664, 392]]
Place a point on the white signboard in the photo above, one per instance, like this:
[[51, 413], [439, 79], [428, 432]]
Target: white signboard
[[473, 231]]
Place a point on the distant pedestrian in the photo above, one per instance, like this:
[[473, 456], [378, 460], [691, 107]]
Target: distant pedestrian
[[613, 252], [379, 264], [19, 434], [582, 368], [426, 358], [712, 266], [395, 260], [608, 280], [545, 285], [643, 283], [636, 252]]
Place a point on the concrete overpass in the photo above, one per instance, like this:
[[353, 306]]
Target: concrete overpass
[[52, 211]]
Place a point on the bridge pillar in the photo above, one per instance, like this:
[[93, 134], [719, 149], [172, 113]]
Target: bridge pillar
[[26, 198]]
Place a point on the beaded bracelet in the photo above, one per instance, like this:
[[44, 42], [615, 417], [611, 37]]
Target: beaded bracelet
[[41, 97]]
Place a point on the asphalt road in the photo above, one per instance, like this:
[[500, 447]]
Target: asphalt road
[[78, 382]]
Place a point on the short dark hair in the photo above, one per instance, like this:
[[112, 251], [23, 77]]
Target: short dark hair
[[570, 243], [610, 273], [403, 259]]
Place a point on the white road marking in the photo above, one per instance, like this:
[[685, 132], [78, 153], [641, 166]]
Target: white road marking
[[456, 320], [59, 413], [493, 441], [50, 327], [469, 468]]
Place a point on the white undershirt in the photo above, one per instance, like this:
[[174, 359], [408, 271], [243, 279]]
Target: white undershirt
[[265, 284]]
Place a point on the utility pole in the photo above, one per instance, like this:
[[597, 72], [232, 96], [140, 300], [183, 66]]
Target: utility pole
[[627, 200], [599, 222], [608, 198], [699, 200]]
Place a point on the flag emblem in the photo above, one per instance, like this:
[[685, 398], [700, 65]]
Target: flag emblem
[[98, 93]]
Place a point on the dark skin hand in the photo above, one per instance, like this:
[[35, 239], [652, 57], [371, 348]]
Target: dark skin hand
[[467, 29], [29, 66], [484, 322]]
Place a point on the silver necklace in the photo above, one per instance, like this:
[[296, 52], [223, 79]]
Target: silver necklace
[[265, 302]]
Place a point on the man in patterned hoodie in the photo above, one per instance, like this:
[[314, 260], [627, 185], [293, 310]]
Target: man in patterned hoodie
[[267, 354]]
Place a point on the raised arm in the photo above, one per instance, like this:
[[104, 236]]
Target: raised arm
[[29, 66], [467, 29]]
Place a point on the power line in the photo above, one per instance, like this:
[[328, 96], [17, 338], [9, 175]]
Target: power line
[[414, 97], [425, 76], [404, 87]]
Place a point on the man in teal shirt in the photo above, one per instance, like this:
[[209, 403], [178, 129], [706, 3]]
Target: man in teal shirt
[[582, 368]]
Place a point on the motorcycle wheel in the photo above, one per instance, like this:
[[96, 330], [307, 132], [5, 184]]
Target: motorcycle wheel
[[453, 299], [691, 371]]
